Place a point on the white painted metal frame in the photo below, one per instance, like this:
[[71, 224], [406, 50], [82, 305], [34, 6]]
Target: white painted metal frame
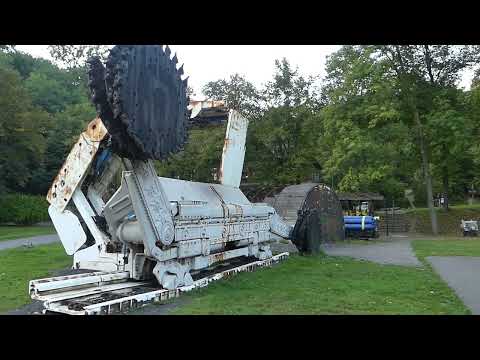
[[53, 304], [234, 150]]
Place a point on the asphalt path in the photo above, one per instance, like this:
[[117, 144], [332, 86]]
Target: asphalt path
[[461, 274], [29, 242], [397, 250]]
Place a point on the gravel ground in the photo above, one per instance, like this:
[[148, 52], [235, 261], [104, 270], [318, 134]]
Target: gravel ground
[[160, 309], [395, 251], [461, 274], [31, 241]]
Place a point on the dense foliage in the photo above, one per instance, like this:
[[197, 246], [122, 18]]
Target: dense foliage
[[43, 108], [386, 119], [23, 209]]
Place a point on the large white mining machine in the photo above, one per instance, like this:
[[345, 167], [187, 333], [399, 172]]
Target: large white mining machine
[[148, 238]]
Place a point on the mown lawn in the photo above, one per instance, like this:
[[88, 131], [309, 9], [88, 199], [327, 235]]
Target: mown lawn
[[327, 285], [452, 246], [16, 232], [20, 265], [300, 285]]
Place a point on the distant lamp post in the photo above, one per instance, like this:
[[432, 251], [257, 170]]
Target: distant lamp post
[[472, 193], [410, 197]]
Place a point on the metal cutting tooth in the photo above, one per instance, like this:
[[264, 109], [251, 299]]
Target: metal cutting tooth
[[180, 70]]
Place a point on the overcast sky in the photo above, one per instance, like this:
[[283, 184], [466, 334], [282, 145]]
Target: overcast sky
[[203, 63]]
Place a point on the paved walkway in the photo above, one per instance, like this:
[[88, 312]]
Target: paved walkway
[[31, 241], [461, 274], [394, 251]]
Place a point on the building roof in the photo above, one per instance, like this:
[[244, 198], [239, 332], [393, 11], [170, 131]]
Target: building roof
[[207, 108], [359, 196]]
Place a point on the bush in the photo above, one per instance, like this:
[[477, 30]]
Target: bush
[[23, 209]]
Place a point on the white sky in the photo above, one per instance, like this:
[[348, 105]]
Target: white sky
[[204, 63]]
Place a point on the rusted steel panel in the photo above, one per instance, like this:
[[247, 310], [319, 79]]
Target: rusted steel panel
[[74, 168], [208, 107], [234, 150]]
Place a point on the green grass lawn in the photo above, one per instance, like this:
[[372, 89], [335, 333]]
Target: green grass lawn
[[447, 246], [16, 232], [300, 285], [327, 285], [19, 266]]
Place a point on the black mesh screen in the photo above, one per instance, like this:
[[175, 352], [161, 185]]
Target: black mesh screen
[[320, 220]]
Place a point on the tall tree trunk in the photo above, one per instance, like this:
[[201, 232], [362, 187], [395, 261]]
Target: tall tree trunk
[[445, 191], [445, 180], [426, 172]]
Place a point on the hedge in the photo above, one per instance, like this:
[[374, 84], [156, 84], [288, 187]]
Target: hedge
[[23, 209]]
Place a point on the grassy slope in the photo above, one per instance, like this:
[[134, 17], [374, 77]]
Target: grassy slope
[[16, 232], [327, 285], [448, 221], [19, 266]]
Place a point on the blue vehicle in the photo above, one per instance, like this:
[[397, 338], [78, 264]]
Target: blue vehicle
[[361, 227]]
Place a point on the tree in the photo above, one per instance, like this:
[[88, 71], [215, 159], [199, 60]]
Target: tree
[[473, 113], [7, 48], [280, 146], [50, 94], [61, 93], [23, 128], [237, 93], [476, 79], [200, 158], [284, 136], [49, 87], [75, 56], [362, 145], [66, 127], [288, 88], [420, 72]]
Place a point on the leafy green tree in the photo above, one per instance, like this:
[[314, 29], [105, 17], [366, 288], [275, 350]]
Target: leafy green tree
[[74, 56], [49, 87], [376, 88], [22, 132], [237, 93], [473, 108], [23, 63], [288, 88], [285, 135], [475, 79], [200, 159], [66, 127], [364, 146], [47, 93], [420, 72], [453, 136]]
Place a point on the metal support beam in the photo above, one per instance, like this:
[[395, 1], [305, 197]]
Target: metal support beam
[[234, 150]]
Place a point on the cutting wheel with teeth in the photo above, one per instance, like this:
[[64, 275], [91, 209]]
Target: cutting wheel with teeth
[[142, 100]]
